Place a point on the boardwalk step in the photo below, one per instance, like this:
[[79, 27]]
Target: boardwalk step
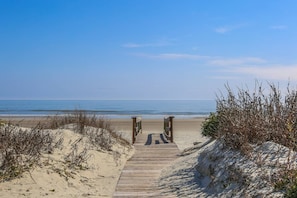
[[140, 174]]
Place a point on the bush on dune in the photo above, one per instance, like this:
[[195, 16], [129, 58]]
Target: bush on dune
[[210, 126], [20, 149], [253, 118], [245, 118], [97, 129]]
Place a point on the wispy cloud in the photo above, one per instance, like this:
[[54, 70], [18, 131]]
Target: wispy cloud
[[131, 45], [236, 61], [224, 77], [232, 68], [255, 67], [173, 56], [140, 45], [279, 27], [272, 73], [195, 48], [227, 28], [180, 56], [223, 30]]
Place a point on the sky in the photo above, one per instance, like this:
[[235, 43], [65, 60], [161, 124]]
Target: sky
[[143, 49]]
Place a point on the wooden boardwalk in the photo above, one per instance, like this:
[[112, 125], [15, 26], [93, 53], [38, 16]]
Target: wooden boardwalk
[[140, 174]]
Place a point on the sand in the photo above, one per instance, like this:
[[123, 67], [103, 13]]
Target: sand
[[186, 131], [53, 179], [204, 169], [214, 171]]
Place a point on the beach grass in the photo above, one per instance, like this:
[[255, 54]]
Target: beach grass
[[82, 121], [246, 118], [21, 148]]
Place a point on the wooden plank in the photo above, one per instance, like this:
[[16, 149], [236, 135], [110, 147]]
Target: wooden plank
[[152, 162], [135, 194], [147, 181], [140, 174], [135, 175]]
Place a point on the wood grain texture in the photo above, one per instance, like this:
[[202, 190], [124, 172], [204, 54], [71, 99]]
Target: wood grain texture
[[140, 174]]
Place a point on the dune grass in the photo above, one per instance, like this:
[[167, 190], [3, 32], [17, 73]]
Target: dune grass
[[244, 118], [256, 117], [22, 148]]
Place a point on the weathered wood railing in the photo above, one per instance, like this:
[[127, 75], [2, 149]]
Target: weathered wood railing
[[136, 128], [168, 128]]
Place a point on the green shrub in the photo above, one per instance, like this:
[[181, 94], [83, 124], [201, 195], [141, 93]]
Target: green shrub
[[287, 182], [292, 192], [210, 126]]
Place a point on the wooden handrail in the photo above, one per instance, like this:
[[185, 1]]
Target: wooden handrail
[[136, 128], [168, 128]]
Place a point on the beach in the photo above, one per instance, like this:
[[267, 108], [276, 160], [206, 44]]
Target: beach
[[105, 167], [186, 130], [201, 167]]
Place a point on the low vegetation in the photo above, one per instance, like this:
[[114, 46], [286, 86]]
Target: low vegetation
[[258, 117], [22, 148], [210, 126], [97, 129], [244, 118]]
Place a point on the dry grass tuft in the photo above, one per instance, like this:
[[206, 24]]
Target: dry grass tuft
[[98, 129], [253, 118], [21, 148], [246, 118]]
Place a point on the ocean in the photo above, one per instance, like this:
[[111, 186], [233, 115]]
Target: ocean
[[109, 108]]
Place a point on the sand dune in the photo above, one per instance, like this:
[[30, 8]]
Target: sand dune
[[53, 178]]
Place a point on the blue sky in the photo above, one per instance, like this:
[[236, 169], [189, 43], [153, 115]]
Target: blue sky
[[143, 49]]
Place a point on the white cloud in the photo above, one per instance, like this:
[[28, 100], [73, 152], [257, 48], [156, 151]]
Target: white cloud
[[236, 61], [279, 27], [222, 30], [131, 45], [195, 48], [271, 73], [225, 29], [180, 56], [173, 56], [253, 66], [231, 68], [139, 45], [222, 77]]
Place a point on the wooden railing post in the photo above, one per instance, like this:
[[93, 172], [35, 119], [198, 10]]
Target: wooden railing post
[[136, 128], [171, 127], [168, 128], [133, 129]]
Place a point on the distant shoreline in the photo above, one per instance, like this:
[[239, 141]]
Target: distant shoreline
[[36, 119], [109, 109], [113, 117], [183, 127]]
